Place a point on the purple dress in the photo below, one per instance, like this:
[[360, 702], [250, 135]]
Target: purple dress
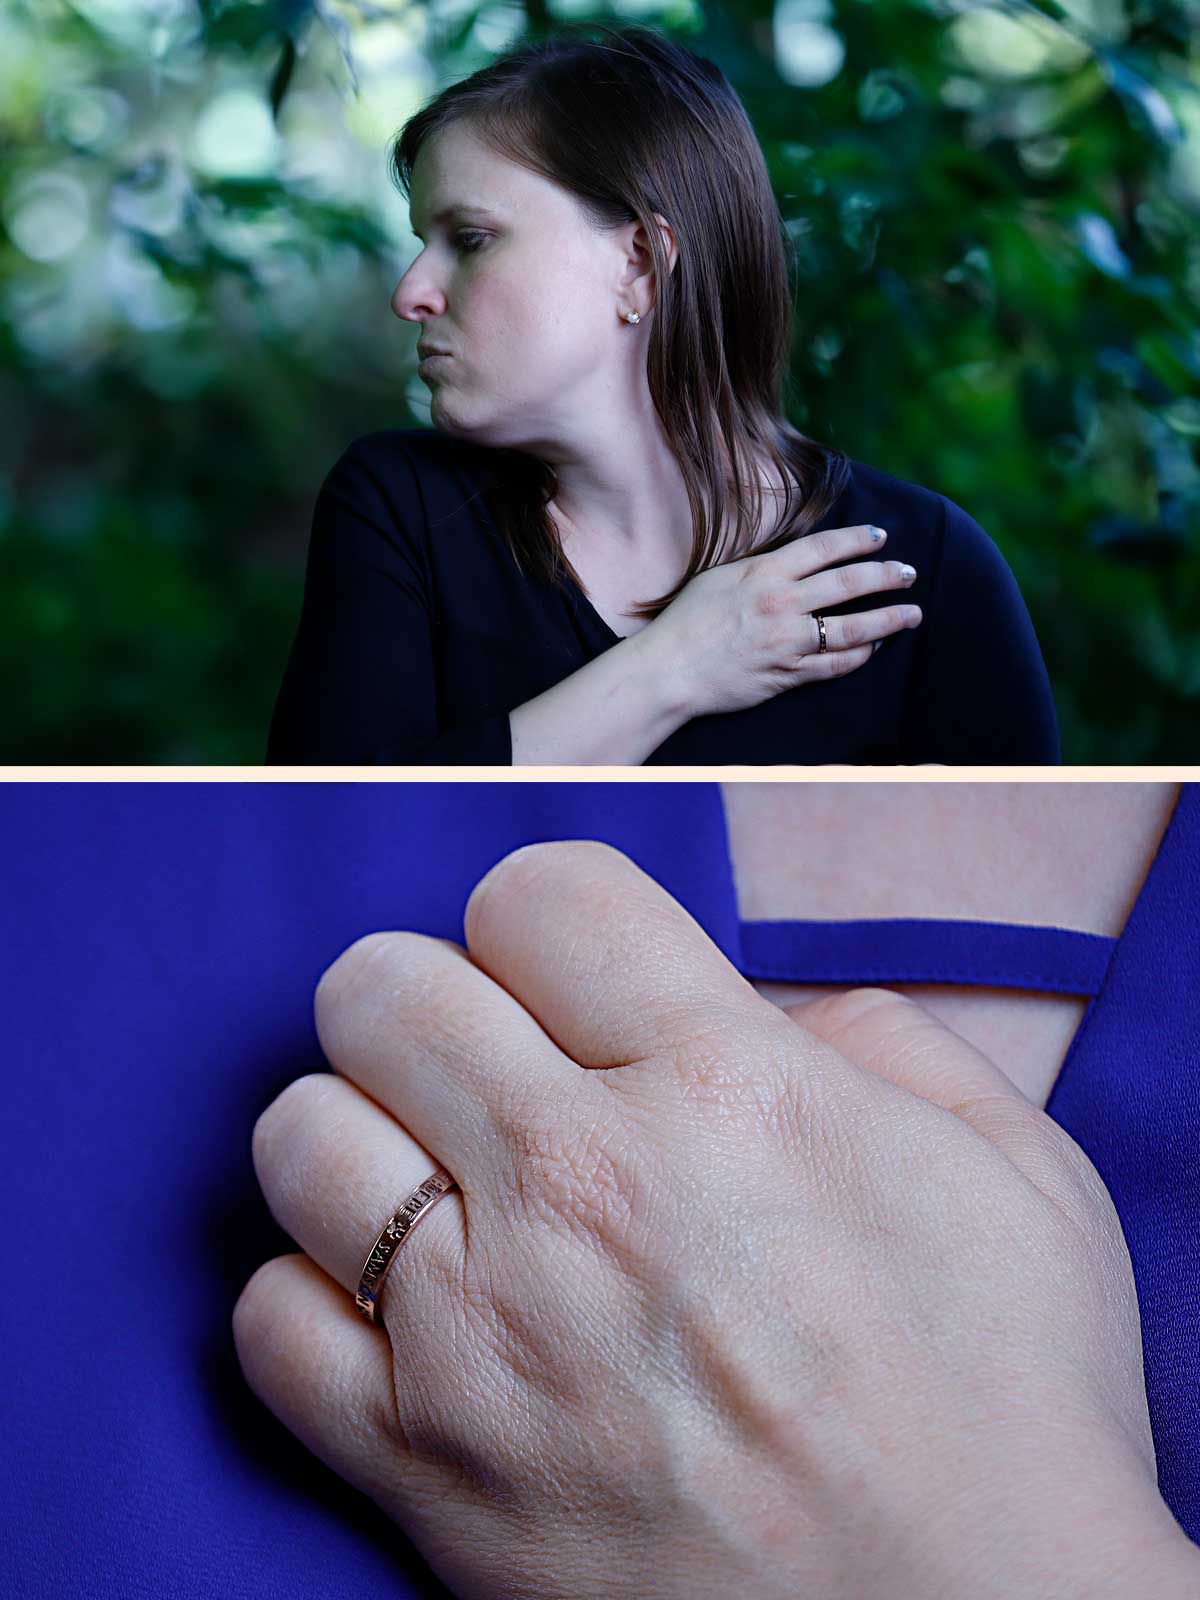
[[162, 942]]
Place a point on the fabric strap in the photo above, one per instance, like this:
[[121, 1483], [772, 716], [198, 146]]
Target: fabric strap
[[1003, 955]]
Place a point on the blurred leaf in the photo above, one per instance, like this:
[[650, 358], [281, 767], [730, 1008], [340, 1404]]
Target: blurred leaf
[[1152, 113], [1099, 244]]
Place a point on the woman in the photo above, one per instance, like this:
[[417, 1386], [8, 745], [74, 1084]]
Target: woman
[[165, 945], [613, 547]]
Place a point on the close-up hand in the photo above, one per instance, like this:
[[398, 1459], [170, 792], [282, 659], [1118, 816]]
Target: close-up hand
[[813, 1303]]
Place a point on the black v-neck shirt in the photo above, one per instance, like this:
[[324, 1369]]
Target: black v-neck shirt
[[419, 633]]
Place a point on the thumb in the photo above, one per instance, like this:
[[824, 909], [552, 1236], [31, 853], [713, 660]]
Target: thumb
[[892, 1036]]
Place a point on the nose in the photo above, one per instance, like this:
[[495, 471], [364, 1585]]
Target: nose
[[398, 295], [415, 302]]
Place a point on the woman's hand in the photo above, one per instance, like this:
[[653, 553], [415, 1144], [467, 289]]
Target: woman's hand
[[740, 633], [771, 1305]]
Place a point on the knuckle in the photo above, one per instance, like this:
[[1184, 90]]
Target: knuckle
[[848, 578], [281, 1108], [406, 965], [580, 1176], [259, 1293], [280, 1118], [859, 1021], [1042, 1153], [771, 600], [515, 872], [531, 859], [1076, 1186], [344, 974], [710, 1052], [855, 1004], [822, 547], [703, 1067], [548, 1165], [854, 629]]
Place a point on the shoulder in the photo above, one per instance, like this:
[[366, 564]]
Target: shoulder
[[912, 506], [922, 523], [398, 484], [394, 454]]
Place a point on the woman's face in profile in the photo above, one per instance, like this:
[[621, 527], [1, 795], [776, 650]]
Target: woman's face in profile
[[522, 293]]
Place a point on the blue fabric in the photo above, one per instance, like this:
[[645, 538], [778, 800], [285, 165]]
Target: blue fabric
[[418, 632], [162, 942], [1007, 955]]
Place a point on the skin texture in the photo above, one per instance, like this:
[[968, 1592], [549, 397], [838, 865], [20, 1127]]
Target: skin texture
[[531, 306], [808, 1303]]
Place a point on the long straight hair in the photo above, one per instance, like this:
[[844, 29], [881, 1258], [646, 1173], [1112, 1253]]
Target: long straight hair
[[630, 124]]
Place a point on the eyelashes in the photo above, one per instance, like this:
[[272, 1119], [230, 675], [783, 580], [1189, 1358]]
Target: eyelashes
[[468, 240]]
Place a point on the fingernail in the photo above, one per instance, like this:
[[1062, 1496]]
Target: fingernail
[[907, 573], [877, 534], [876, 645]]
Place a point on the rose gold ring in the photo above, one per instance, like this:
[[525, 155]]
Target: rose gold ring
[[396, 1229]]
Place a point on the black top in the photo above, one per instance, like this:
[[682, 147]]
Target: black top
[[419, 633]]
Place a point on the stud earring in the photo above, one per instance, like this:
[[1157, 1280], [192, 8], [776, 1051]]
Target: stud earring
[[632, 316]]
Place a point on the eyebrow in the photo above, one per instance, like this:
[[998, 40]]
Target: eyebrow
[[461, 209]]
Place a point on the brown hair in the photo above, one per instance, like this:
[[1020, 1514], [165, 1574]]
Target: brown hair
[[631, 124]]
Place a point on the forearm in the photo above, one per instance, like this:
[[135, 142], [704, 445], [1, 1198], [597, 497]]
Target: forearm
[[614, 711]]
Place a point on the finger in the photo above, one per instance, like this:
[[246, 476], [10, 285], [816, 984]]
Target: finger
[[416, 1025], [613, 967], [849, 582], [820, 664], [852, 629], [798, 558], [836, 663], [334, 1167], [322, 1370], [893, 1037]]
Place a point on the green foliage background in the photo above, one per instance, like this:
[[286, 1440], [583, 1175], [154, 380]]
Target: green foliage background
[[998, 272]]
